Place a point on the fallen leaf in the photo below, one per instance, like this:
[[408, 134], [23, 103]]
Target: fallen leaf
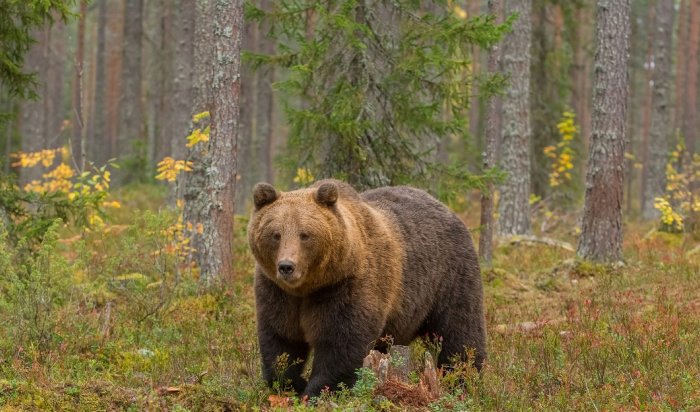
[[279, 401]]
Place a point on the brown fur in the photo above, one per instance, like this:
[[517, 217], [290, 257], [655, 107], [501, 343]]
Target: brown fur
[[390, 261]]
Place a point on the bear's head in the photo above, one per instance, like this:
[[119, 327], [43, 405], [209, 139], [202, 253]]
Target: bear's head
[[296, 236]]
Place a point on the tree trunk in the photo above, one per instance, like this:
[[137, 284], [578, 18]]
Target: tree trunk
[[475, 107], [681, 64], [489, 156], [156, 12], [182, 89], [130, 107], [115, 49], [78, 143], [543, 72], [193, 185], [690, 116], [580, 95], [660, 130], [514, 203], [601, 229], [9, 131], [55, 82], [265, 112], [217, 241], [99, 145], [645, 69], [248, 164]]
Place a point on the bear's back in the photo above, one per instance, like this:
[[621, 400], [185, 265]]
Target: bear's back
[[439, 253]]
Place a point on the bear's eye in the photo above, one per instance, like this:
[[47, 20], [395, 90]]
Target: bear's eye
[[304, 236], [277, 236]]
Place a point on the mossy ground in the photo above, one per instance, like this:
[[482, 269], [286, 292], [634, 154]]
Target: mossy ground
[[109, 322]]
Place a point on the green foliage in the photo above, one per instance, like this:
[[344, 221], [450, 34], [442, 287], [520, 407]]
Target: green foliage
[[372, 87], [34, 290], [18, 20], [26, 214], [366, 382]]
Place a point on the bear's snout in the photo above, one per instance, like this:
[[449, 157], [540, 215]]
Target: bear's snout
[[286, 269]]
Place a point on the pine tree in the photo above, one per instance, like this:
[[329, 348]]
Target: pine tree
[[18, 22], [210, 188], [660, 129], [601, 230], [130, 108], [489, 156], [514, 202], [374, 85]]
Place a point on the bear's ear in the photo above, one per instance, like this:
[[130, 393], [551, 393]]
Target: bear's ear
[[264, 194], [327, 194]]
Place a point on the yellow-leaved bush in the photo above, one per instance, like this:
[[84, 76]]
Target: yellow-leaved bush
[[169, 168], [680, 205], [562, 154], [86, 191], [179, 234], [304, 177]]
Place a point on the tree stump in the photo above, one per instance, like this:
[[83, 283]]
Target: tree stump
[[393, 372]]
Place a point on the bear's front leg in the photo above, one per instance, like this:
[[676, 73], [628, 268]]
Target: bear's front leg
[[336, 363], [275, 368], [279, 333]]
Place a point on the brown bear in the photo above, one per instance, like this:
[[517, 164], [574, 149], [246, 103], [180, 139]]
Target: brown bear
[[337, 270]]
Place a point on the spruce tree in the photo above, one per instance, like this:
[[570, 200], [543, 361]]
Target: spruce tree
[[372, 86]]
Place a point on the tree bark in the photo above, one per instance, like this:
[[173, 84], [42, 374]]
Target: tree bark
[[265, 112], [115, 47], [690, 115], [156, 13], [475, 107], [489, 155], [660, 129], [217, 241], [681, 64], [514, 203], [182, 88], [55, 87], [601, 229], [581, 74], [78, 144], [99, 144], [249, 165], [130, 107], [193, 183], [639, 147]]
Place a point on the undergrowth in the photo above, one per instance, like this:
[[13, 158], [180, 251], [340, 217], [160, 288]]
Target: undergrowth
[[111, 319]]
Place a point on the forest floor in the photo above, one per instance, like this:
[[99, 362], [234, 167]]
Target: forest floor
[[110, 321]]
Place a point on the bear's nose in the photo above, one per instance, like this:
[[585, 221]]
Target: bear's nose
[[285, 268]]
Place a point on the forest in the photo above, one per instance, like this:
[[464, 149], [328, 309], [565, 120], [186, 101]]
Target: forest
[[565, 134]]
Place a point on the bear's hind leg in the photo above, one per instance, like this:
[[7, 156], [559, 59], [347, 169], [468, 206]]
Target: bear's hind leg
[[462, 330]]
